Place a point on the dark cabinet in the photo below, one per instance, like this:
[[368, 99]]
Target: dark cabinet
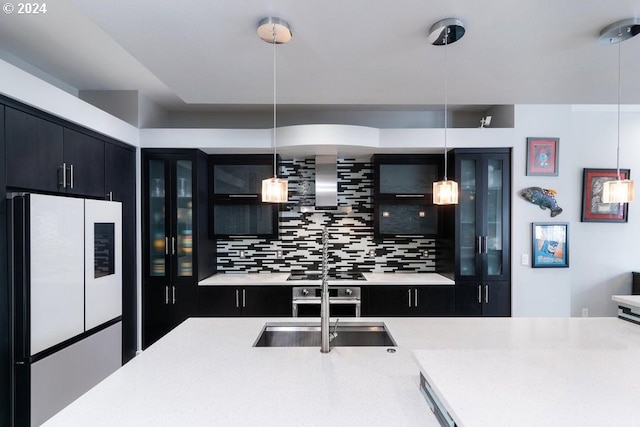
[[120, 185], [66, 160], [437, 300], [403, 196], [235, 197], [257, 301], [165, 307], [177, 252], [482, 232]]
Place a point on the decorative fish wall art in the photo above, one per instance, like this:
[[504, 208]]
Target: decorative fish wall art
[[543, 197]]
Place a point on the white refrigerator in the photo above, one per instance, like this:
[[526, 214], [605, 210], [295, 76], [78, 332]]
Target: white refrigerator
[[66, 299]]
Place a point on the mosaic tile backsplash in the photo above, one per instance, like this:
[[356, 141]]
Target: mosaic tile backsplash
[[351, 244]]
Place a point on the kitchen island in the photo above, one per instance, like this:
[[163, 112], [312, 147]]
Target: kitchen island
[[206, 372]]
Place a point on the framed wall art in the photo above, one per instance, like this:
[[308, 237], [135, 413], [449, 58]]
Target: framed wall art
[[550, 244], [593, 210], [542, 156]]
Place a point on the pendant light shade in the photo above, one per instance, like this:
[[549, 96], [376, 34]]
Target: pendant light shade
[[275, 31], [619, 190], [443, 33]]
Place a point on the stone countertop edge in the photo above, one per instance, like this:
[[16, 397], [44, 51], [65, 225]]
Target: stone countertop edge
[[627, 300], [280, 279]]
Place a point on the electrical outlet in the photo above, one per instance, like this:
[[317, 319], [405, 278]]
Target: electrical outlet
[[279, 254], [425, 253], [243, 254], [585, 312], [372, 253]]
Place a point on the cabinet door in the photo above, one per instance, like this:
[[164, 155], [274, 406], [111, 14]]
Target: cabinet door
[[469, 228], [405, 178], [156, 312], [182, 235], [184, 302], [388, 301], [434, 301], [34, 152], [238, 219], [240, 179], [406, 220], [496, 221], [497, 299], [266, 301], [157, 221], [84, 156], [219, 301], [469, 299]]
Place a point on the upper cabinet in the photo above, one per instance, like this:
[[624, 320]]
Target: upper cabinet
[[174, 203], [403, 196], [236, 206], [67, 161], [482, 231]]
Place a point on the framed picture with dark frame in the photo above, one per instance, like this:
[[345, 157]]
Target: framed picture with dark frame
[[593, 210], [550, 244], [542, 156]]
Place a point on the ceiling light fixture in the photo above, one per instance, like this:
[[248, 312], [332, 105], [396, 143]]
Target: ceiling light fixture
[[445, 32], [275, 31], [619, 190]]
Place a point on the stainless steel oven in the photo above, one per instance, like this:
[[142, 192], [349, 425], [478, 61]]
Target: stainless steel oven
[[344, 298]]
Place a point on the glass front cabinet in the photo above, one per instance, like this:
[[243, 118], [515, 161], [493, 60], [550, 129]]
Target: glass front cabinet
[[482, 232], [176, 249]]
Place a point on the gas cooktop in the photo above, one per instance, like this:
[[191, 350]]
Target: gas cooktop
[[334, 275]]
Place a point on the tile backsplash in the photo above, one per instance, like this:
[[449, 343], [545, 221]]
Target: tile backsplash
[[351, 244]]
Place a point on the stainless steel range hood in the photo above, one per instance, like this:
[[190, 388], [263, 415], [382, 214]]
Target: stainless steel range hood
[[326, 187]]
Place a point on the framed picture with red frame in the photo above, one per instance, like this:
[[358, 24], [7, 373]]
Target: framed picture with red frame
[[542, 156], [593, 210]]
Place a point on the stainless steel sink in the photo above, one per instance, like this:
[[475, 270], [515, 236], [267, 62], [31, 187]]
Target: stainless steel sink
[[350, 334]]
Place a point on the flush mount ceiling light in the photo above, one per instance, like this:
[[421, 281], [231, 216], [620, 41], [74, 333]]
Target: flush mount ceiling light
[[443, 33], [275, 31], [619, 190]]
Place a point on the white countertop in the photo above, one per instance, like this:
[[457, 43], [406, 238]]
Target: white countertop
[[274, 279], [627, 300], [205, 373]]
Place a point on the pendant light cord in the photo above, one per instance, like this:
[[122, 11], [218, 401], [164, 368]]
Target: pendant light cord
[[618, 148], [275, 175], [446, 98]]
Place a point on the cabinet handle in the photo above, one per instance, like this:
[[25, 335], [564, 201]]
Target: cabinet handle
[[64, 176], [415, 300], [244, 298], [479, 294], [242, 236], [243, 196], [71, 174], [409, 297], [486, 244], [166, 295], [412, 196], [237, 298], [173, 289], [110, 196], [486, 294], [410, 235], [479, 244], [173, 245], [166, 245]]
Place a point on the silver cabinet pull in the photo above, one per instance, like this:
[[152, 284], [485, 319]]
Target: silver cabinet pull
[[486, 294], [166, 295], [110, 196], [486, 244], [64, 176], [409, 297], [173, 245], [244, 298], [166, 245], [237, 298], [415, 300], [412, 196], [71, 173], [243, 196], [173, 288], [479, 294], [479, 244]]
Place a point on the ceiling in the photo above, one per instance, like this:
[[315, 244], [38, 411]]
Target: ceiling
[[203, 55]]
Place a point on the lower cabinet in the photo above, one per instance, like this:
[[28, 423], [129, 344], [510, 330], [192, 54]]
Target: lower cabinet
[[164, 307], [258, 301], [483, 299], [408, 300]]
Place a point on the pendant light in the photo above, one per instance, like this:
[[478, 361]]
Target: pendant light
[[275, 31], [619, 190], [445, 32]]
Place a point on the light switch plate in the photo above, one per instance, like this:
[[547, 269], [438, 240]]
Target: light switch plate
[[524, 259]]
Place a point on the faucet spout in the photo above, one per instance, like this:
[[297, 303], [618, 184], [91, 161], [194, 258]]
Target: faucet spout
[[324, 296]]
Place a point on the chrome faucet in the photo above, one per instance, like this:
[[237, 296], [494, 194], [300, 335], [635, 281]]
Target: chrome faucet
[[326, 336]]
